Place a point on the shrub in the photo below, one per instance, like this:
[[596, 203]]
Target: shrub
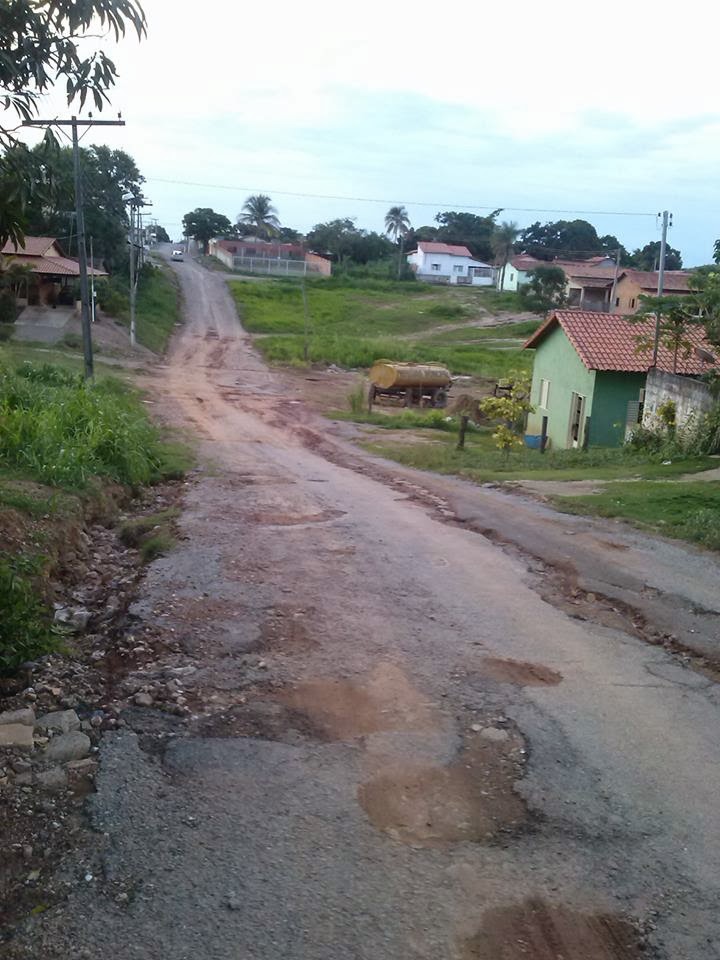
[[356, 398], [64, 432], [26, 630]]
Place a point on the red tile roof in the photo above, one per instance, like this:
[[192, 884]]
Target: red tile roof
[[607, 341], [33, 247], [428, 246], [56, 266], [673, 281]]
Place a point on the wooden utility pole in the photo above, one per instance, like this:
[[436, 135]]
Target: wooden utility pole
[[666, 222], [74, 123]]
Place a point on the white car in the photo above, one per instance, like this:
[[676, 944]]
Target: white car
[[178, 255]]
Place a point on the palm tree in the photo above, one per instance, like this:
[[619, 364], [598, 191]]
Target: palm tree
[[397, 224], [259, 213], [503, 244]]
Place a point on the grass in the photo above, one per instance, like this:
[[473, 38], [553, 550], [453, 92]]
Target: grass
[[403, 420], [356, 352], [481, 462], [687, 511], [151, 534], [60, 431], [503, 331], [158, 308], [353, 322]]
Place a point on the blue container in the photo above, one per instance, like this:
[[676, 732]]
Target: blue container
[[534, 441]]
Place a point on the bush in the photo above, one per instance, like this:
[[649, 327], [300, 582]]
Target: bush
[[8, 308], [64, 432], [26, 630]]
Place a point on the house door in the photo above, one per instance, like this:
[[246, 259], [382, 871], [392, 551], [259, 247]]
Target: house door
[[577, 420]]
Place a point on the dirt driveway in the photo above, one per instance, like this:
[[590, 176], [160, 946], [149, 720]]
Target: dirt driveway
[[405, 741]]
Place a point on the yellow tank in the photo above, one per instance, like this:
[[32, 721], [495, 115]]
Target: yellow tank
[[387, 374]]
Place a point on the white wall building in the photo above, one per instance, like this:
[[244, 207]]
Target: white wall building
[[446, 263]]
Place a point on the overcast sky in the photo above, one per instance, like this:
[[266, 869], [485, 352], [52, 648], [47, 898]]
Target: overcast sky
[[522, 105]]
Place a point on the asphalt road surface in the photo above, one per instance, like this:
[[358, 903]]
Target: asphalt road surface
[[409, 738]]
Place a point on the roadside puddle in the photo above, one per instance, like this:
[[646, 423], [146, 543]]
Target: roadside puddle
[[342, 710], [471, 799], [519, 672], [535, 930]]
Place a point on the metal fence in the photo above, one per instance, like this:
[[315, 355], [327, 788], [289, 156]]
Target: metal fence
[[273, 265]]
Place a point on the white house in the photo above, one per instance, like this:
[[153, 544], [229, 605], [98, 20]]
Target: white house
[[446, 263]]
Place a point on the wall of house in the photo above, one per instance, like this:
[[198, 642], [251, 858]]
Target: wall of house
[[514, 278], [691, 397], [557, 362], [317, 264], [613, 392], [447, 273], [628, 293]]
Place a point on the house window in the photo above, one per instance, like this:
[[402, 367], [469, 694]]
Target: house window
[[512, 277], [458, 268], [435, 266], [481, 271], [632, 303], [617, 301], [544, 394]]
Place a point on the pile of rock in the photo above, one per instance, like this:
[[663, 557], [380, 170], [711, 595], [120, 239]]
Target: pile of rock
[[49, 752]]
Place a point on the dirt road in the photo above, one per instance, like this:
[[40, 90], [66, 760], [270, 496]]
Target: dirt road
[[397, 748]]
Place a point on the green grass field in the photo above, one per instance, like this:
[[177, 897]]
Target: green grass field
[[687, 511], [158, 308], [481, 462], [353, 323]]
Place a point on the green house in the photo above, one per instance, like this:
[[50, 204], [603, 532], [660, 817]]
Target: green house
[[589, 378]]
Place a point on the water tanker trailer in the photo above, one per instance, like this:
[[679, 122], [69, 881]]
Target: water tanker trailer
[[413, 384]]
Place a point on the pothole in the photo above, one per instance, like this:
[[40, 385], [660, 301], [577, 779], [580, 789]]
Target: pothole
[[471, 799], [520, 672], [535, 930], [278, 519], [285, 628], [343, 710], [262, 719]]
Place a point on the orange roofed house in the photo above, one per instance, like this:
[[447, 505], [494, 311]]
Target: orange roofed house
[[52, 274], [589, 376]]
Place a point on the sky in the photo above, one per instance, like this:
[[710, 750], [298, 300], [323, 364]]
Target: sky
[[547, 110]]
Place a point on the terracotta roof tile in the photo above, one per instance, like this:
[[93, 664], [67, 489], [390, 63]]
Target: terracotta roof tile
[[608, 341], [57, 266], [33, 247], [674, 280], [428, 246]]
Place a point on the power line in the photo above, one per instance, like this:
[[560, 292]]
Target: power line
[[414, 203]]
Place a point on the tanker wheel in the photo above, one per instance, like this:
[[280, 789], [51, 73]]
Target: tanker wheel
[[441, 399], [409, 397]]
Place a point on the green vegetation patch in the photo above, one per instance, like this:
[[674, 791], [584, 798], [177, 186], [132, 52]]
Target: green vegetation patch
[[481, 462], [26, 628], [59, 430], [157, 309], [151, 534], [685, 510]]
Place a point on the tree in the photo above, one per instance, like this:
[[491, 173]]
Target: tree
[[202, 224], [545, 290], [676, 316], [716, 252], [397, 224], [259, 214], [288, 235], [571, 239], [510, 410], [648, 258], [161, 234], [45, 42], [341, 240], [704, 298], [467, 229], [50, 209], [503, 244]]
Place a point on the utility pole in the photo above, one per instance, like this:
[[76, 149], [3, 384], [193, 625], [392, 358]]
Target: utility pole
[[74, 123], [92, 283], [306, 339], [133, 283], [615, 280], [666, 222]]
